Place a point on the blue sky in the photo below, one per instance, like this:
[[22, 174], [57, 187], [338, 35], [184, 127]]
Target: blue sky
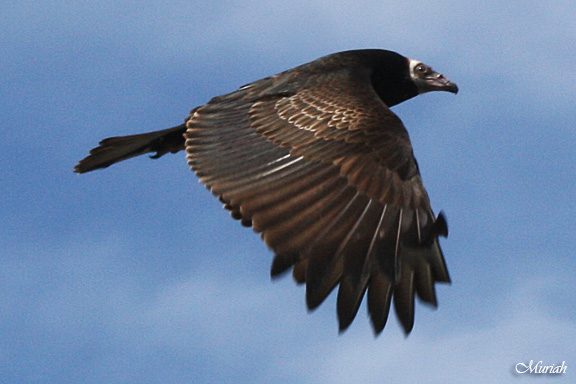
[[136, 274]]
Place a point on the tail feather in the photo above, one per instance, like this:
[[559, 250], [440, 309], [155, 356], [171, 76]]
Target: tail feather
[[115, 149]]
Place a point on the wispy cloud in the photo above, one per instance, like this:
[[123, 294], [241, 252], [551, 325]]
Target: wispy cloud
[[137, 275]]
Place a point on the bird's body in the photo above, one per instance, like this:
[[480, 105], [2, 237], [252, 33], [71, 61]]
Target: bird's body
[[314, 160]]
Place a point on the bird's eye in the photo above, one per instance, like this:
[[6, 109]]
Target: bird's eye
[[421, 68]]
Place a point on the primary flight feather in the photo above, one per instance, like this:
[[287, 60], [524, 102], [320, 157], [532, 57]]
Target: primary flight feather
[[314, 160]]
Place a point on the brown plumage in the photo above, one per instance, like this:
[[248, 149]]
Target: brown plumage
[[315, 161]]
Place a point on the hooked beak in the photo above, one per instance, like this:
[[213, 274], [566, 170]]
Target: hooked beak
[[428, 80], [438, 82]]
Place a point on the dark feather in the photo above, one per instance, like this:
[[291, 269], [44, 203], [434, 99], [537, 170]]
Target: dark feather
[[115, 149], [314, 159]]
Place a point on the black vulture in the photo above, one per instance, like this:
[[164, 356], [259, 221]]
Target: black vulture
[[314, 160]]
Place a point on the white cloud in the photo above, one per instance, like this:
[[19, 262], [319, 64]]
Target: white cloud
[[92, 311], [129, 301], [471, 353]]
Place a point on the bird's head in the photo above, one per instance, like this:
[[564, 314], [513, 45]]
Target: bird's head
[[428, 80], [397, 78]]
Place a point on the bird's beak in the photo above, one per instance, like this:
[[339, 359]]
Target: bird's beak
[[438, 82], [428, 80]]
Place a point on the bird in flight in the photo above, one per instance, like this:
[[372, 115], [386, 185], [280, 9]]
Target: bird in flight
[[315, 161]]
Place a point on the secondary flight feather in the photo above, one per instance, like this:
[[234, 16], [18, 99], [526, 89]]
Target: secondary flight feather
[[314, 160]]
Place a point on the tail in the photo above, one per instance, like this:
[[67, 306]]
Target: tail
[[115, 149]]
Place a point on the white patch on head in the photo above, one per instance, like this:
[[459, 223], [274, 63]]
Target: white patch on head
[[413, 63]]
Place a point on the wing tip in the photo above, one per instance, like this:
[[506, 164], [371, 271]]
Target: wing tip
[[440, 227]]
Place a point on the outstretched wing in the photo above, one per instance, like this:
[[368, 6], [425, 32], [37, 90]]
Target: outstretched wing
[[325, 172]]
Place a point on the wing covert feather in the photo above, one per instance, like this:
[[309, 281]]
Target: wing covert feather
[[325, 172]]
